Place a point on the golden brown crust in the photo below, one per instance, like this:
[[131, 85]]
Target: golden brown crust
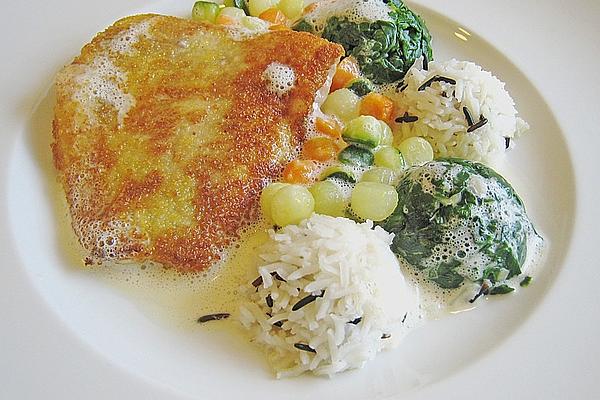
[[166, 160]]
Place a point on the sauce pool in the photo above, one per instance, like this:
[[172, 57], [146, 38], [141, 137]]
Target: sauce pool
[[180, 299]]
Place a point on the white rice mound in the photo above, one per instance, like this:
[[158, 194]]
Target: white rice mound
[[352, 269], [442, 121]]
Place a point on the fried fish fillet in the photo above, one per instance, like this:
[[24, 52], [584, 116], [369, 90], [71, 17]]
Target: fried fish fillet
[[165, 132]]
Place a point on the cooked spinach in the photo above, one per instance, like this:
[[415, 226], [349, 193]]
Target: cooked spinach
[[459, 220], [445, 275], [385, 50], [501, 289], [525, 282]]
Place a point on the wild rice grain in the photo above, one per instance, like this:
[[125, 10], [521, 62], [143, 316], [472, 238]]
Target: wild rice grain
[[277, 276], [468, 116], [306, 300], [257, 282], [482, 121], [213, 317], [436, 78], [407, 118], [483, 290], [304, 347]]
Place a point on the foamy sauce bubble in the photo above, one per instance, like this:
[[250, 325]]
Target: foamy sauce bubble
[[101, 82], [280, 78], [354, 11], [124, 42], [320, 97], [240, 31]]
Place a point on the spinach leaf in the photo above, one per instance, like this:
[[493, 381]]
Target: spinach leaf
[[445, 275], [525, 282], [501, 289]]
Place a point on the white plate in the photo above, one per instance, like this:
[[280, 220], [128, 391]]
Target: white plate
[[66, 334]]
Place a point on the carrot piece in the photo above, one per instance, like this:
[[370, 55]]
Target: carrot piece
[[225, 20], [329, 128], [378, 106], [299, 171], [310, 8], [279, 27], [346, 70], [320, 149], [273, 16]]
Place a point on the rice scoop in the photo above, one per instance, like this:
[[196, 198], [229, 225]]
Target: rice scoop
[[462, 110], [329, 296]]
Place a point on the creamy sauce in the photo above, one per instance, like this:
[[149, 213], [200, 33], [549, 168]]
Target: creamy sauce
[[180, 299], [436, 302]]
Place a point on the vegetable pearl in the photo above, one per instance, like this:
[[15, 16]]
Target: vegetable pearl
[[256, 7], [266, 197], [346, 71], [233, 12], [416, 150], [374, 201], [342, 103], [291, 204], [291, 8], [381, 175], [329, 128], [365, 130], [387, 137], [205, 11], [389, 157], [377, 105], [329, 199], [252, 23]]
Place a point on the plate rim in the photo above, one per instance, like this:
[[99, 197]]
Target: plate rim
[[22, 282]]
